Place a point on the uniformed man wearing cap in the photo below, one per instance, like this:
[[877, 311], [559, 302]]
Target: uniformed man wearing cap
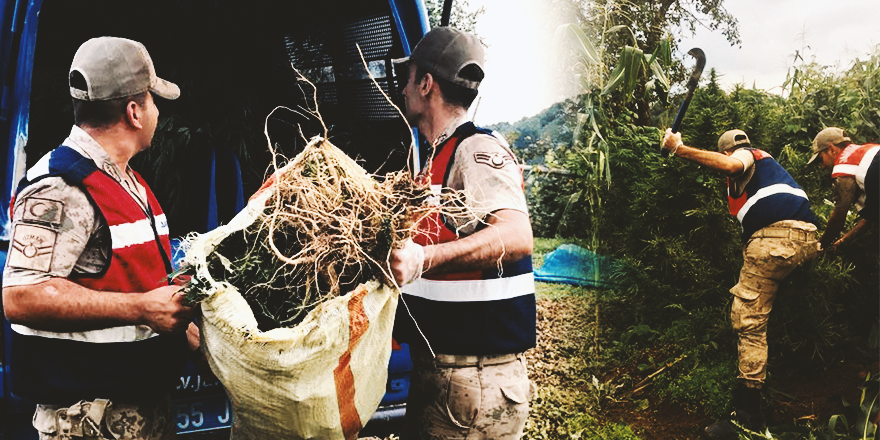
[[779, 231], [468, 308], [855, 174], [97, 331]]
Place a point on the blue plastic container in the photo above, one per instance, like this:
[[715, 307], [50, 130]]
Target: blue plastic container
[[399, 369]]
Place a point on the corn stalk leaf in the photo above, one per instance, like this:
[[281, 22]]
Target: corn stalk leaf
[[664, 51], [864, 423], [832, 423], [626, 73], [595, 125], [635, 60], [581, 119], [607, 159], [584, 45], [622, 27], [658, 71], [615, 79], [831, 432]]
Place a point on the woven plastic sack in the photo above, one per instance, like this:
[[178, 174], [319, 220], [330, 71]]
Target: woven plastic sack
[[322, 379]]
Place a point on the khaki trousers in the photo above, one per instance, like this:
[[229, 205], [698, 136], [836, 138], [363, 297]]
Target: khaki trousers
[[768, 257], [482, 401]]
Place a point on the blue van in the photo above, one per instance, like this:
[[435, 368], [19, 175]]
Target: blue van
[[235, 62]]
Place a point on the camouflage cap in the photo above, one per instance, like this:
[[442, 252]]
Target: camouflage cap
[[826, 138], [733, 139], [115, 68], [446, 52]]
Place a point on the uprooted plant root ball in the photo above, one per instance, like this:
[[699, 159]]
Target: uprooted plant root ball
[[327, 227]]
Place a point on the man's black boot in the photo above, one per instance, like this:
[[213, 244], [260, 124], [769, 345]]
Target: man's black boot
[[746, 413]]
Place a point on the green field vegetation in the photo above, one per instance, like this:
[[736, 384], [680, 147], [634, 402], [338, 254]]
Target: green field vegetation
[[678, 250]]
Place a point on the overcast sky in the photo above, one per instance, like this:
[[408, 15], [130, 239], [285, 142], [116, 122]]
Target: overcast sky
[[520, 81], [834, 33]]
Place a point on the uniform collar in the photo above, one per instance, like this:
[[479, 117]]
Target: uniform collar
[[450, 130], [83, 142]]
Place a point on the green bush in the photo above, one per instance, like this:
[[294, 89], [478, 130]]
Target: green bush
[[558, 413], [554, 203], [704, 389], [678, 251]]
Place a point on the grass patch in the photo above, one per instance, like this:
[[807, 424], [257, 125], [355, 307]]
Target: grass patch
[[563, 413], [543, 246], [699, 372], [556, 291]]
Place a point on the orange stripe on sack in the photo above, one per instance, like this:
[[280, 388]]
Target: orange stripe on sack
[[269, 182], [358, 324]]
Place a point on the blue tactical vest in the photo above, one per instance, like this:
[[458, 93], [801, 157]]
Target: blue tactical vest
[[770, 196]]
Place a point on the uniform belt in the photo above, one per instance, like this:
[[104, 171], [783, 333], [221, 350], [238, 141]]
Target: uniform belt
[[790, 233], [458, 360]]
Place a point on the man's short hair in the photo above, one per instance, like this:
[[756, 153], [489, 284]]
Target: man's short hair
[[454, 94], [101, 114]]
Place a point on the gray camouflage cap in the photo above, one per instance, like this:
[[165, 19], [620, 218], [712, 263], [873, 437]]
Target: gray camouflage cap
[[445, 52], [116, 68], [826, 138]]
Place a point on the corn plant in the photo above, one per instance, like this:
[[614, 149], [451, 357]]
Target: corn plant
[[589, 155]]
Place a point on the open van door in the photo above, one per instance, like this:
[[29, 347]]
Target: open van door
[[16, 53], [235, 61]]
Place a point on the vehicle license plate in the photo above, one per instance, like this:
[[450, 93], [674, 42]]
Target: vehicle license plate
[[201, 413]]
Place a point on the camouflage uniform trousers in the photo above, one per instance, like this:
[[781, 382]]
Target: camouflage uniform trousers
[[768, 257], [142, 420], [467, 402]]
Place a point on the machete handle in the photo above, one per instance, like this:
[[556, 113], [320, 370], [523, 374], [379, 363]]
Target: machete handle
[[691, 86]]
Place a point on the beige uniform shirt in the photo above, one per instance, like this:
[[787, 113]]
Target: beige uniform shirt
[[485, 170], [56, 230], [738, 183]]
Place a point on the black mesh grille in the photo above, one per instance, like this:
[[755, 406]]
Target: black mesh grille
[[307, 52], [368, 102], [374, 36], [330, 58]]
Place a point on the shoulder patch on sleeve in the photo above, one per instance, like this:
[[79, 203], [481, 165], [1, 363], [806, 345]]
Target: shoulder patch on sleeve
[[493, 159], [32, 247], [42, 211]]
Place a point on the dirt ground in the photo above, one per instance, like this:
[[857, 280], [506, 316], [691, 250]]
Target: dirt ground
[[812, 398], [800, 401], [559, 334]]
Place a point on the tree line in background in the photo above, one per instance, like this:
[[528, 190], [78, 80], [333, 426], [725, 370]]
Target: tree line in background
[[666, 221]]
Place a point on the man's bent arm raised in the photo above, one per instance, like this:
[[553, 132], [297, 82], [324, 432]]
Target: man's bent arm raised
[[716, 161]]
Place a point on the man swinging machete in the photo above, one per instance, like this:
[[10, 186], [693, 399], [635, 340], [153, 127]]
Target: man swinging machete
[[779, 231]]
